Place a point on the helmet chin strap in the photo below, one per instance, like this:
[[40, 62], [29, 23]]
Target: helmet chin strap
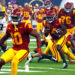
[[16, 23], [50, 21], [48, 7], [67, 11]]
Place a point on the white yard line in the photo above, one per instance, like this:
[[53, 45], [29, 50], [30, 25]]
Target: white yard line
[[31, 47], [30, 40], [3, 72], [20, 70], [38, 68]]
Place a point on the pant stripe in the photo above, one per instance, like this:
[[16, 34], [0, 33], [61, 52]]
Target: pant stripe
[[63, 41], [25, 55], [56, 52], [54, 48]]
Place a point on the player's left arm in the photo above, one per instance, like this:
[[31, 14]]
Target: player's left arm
[[38, 38], [34, 33]]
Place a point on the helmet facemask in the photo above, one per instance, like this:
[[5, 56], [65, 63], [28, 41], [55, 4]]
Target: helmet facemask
[[15, 19], [68, 7], [48, 5], [50, 19]]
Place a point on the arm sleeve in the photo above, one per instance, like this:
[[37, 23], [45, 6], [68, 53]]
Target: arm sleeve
[[29, 28]]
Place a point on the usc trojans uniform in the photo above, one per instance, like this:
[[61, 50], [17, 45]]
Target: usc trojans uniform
[[26, 15], [39, 21], [67, 20], [19, 32]]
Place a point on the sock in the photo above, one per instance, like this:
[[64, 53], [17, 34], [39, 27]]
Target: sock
[[14, 66], [71, 55]]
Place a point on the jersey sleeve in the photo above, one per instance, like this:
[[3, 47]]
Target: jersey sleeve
[[28, 27]]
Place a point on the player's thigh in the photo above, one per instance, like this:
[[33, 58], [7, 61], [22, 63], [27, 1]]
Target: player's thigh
[[65, 49], [61, 41], [21, 55], [8, 55]]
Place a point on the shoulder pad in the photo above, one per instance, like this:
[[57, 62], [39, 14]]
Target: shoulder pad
[[73, 11]]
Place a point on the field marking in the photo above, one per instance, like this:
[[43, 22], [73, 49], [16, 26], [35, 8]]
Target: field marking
[[30, 40], [3, 72], [20, 70], [31, 47], [51, 68]]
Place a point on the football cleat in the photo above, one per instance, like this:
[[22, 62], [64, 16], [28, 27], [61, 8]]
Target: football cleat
[[40, 58], [47, 57], [65, 65], [53, 59]]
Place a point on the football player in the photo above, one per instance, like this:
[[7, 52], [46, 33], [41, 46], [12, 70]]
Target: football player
[[2, 27], [19, 32], [4, 46], [58, 41], [54, 45], [49, 6], [71, 44], [39, 19], [26, 13], [67, 14]]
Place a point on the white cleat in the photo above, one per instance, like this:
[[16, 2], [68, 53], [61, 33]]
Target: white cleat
[[65, 65]]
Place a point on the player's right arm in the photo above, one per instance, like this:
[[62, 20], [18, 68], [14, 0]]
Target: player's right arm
[[36, 35], [4, 38]]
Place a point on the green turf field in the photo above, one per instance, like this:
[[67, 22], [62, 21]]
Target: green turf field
[[45, 67]]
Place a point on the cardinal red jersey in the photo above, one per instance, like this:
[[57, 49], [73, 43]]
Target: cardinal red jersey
[[39, 17], [67, 18], [20, 35], [53, 26], [26, 13], [54, 9]]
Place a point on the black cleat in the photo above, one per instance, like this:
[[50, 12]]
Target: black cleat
[[53, 59], [40, 58], [65, 65]]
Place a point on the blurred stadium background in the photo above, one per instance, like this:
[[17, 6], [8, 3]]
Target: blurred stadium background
[[33, 2]]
